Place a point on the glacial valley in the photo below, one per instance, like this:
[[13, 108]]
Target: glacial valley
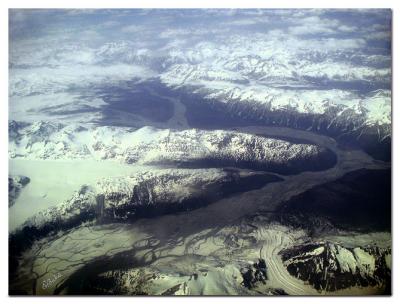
[[205, 152]]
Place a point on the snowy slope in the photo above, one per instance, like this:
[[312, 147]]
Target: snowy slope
[[143, 193], [50, 140]]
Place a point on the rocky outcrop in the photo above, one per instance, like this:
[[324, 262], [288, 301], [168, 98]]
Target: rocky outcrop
[[158, 192], [15, 184], [330, 266], [254, 274]]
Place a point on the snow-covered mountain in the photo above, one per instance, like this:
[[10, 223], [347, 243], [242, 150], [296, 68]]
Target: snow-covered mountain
[[142, 194], [256, 80], [316, 70], [330, 266], [149, 146], [120, 117], [339, 92]]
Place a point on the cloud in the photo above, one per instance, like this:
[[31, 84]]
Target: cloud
[[172, 33], [80, 12], [241, 22], [310, 29], [379, 36], [282, 35], [59, 79], [346, 28], [132, 28], [110, 23]]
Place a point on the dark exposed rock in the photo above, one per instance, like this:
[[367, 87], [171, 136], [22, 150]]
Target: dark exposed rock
[[278, 292], [254, 274], [15, 184], [329, 266], [155, 195]]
